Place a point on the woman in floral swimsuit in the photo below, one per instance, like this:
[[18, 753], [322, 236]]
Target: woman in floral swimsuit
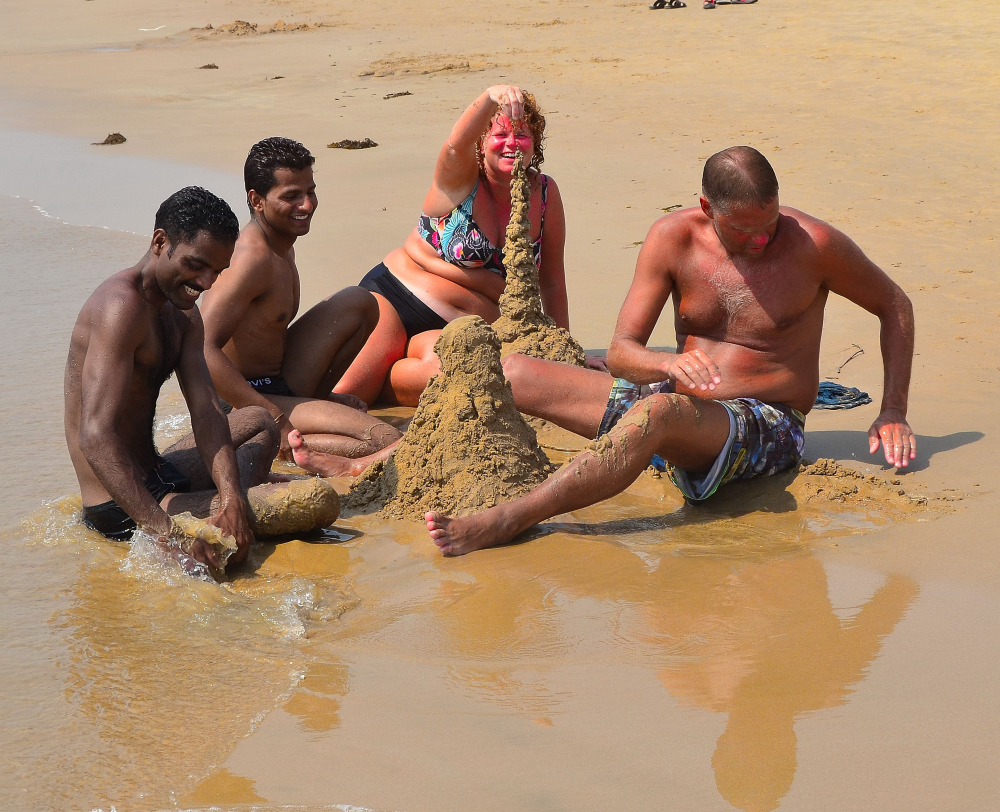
[[451, 264]]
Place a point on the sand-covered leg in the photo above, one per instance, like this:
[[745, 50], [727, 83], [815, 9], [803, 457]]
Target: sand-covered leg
[[317, 461], [672, 426], [297, 507]]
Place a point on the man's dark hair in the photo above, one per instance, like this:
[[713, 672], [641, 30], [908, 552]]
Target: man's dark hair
[[270, 154], [738, 176], [193, 209]]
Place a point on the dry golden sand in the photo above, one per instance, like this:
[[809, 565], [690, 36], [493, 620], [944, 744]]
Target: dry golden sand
[[777, 648]]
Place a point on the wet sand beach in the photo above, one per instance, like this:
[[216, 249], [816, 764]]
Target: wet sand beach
[[796, 645]]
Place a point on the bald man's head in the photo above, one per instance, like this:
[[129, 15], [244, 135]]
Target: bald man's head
[[738, 177]]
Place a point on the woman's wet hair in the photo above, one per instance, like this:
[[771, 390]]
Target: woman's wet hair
[[535, 122], [268, 155], [193, 209], [738, 176]]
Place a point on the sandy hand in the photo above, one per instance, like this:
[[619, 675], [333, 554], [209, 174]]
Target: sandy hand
[[509, 99]]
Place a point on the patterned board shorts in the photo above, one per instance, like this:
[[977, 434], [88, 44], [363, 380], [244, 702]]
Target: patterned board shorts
[[764, 439]]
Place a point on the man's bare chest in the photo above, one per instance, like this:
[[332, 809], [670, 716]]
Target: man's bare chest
[[278, 305], [721, 300], [159, 353]]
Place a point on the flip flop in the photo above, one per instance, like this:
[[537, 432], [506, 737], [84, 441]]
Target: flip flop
[[657, 4], [709, 4]]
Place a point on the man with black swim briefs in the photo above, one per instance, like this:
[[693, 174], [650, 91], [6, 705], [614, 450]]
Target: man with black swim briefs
[[749, 281], [257, 356], [140, 326]]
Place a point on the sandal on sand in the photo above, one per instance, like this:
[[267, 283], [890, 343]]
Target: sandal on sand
[[709, 4], [668, 4]]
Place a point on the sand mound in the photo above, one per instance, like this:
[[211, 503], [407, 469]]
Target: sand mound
[[467, 448], [828, 481], [413, 65], [301, 506], [522, 326], [242, 28]]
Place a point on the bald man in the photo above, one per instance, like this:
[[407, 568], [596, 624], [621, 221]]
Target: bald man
[[749, 281]]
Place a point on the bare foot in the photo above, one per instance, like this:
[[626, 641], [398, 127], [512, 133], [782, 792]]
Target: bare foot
[[458, 536], [324, 464]]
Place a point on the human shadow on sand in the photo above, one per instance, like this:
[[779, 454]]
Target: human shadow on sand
[[846, 445]]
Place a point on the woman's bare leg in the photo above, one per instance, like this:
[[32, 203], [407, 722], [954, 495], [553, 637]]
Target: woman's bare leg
[[367, 374], [409, 376]]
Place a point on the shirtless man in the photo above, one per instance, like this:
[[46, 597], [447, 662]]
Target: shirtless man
[[137, 328], [257, 357], [749, 282]]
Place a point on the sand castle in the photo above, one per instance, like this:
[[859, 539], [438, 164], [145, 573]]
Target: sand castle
[[522, 326], [467, 448]]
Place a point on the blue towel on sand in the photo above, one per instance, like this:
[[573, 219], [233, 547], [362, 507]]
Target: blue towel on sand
[[837, 396]]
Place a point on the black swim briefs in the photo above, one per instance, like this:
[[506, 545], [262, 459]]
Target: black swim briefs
[[266, 385], [110, 520], [416, 316]]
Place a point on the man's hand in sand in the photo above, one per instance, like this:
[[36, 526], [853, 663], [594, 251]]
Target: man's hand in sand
[[891, 430], [231, 519], [509, 99], [694, 370]]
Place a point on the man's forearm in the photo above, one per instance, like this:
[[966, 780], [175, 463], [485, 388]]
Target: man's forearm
[[232, 386], [634, 362], [896, 341]]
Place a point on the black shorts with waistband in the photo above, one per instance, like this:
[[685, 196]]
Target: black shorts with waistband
[[266, 385], [416, 316], [111, 521]]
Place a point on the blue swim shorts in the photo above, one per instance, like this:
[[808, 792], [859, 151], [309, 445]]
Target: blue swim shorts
[[764, 439]]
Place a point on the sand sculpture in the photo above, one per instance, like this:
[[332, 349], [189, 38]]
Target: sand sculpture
[[467, 448], [522, 326]]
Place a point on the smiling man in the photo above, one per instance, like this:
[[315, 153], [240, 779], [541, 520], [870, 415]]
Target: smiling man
[[140, 326], [749, 281], [256, 354]]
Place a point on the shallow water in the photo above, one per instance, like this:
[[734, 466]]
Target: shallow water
[[638, 654]]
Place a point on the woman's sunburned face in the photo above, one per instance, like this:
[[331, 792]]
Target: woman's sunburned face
[[502, 142]]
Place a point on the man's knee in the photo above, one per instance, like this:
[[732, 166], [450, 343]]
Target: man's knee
[[256, 421], [663, 411], [362, 305]]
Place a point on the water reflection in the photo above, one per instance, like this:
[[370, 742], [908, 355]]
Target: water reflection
[[761, 642]]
